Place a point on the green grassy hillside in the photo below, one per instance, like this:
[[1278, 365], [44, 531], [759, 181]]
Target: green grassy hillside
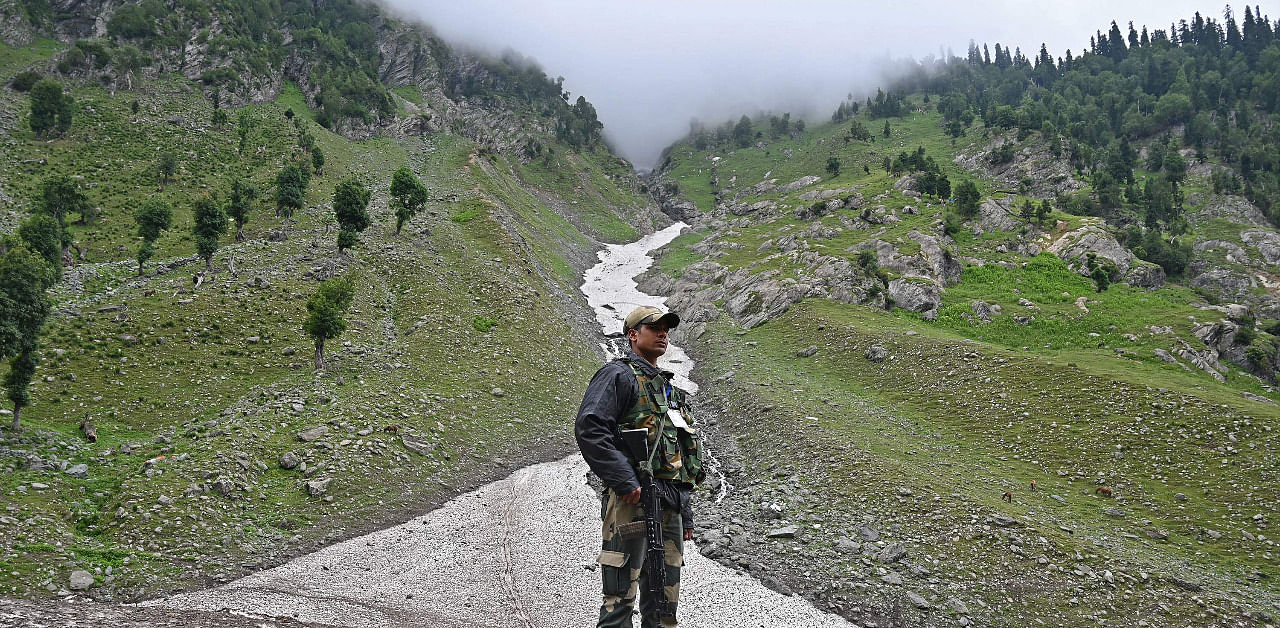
[[1063, 386], [466, 337]]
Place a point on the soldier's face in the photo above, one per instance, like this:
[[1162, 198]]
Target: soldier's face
[[649, 341]]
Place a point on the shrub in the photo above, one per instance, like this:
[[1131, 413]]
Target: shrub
[[24, 81], [483, 323]]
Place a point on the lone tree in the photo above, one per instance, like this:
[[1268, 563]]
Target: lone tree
[[408, 194], [166, 166], [239, 203], [326, 312], [42, 235], [24, 276], [317, 159], [209, 222], [59, 197], [1028, 210], [350, 207], [51, 109], [833, 167], [153, 216], [291, 190], [967, 199]]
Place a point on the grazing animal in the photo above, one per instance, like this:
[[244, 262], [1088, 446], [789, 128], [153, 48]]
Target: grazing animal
[[148, 293], [1106, 492], [394, 429], [89, 429], [1008, 496]]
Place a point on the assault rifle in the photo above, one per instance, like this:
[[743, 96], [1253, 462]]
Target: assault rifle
[[655, 559]]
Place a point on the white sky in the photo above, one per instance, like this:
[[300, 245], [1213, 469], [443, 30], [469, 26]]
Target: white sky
[[649, 67]]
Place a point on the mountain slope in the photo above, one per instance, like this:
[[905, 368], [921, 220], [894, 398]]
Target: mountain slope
[[886, 365], [218, 449]]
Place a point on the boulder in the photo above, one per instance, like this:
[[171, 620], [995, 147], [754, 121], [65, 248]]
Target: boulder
[[876, 353], [995, 215], [417, 446], [891, 553], [317, 488], [1145, 275], [1232, 251], [915, 295], [983, 310], [1267, 243], [313, 434], [942, 263], [1226, 283], [765, 301], [1074, 247], [802, 182], [80, 580], [289, 460], [785, 532], [224, 486]]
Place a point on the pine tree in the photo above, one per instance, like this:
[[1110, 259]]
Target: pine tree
[[967, 199]]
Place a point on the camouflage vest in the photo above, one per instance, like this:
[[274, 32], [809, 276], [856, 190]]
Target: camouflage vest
[[679, 454]]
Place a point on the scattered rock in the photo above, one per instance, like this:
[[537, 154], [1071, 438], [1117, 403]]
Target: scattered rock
[[785, 532], [224, 486], [317, 488], [807, 352], [877, 353], [80, 580], [918, 600], [314, 433], [289, 460], [892, 553], [78, 471]]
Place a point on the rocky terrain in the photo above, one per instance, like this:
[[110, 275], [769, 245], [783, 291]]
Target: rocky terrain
[[870, 449]]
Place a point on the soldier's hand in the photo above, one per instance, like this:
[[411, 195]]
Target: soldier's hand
[[631, 498], [688, 534]]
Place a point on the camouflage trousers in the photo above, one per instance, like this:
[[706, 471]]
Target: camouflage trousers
[[622, 561]]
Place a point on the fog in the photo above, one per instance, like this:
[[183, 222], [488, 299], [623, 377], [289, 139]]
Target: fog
[[650, 67]]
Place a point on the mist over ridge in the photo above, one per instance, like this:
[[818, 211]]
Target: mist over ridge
[[650, 68]]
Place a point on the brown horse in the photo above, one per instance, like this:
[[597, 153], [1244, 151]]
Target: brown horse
[[1105, 491]]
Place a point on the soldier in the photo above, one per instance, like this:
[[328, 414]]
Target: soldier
[[630, 393]]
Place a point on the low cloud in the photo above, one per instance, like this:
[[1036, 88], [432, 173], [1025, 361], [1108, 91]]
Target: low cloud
[[651, 67]]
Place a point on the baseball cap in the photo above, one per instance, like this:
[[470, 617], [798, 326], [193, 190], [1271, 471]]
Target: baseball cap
[[647, 314]]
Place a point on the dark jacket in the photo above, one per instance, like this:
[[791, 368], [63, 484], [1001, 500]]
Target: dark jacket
[[609, 397]]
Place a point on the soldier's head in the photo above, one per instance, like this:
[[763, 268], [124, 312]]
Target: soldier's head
[[646, 328]]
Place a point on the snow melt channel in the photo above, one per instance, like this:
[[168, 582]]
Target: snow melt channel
[[518, 553]]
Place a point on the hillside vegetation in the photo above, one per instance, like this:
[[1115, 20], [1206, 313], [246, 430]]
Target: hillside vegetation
[[996, 272], [219, 449]]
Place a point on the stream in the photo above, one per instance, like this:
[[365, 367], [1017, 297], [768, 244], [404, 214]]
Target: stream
[[518, 553]]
